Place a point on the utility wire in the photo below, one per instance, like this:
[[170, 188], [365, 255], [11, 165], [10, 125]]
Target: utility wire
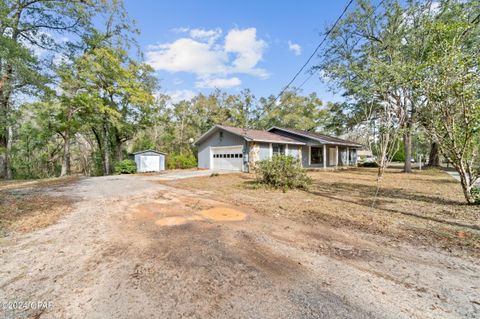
[[313, 54], [312, 73]]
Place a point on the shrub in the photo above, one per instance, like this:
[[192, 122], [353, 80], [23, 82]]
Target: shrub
[[283, 172], [180, 161], [126, 167], [368, 164], [475, 191]]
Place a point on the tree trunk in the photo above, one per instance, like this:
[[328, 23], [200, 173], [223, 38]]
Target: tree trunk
[[466, 185], [106, 147], [118, 147], [8, 151], [407, 141], [118, 151], [434, 157], [66, 154], [5, 135], [3, 147]]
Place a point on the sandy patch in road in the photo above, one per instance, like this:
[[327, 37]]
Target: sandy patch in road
[[223, 214], [171, 211]]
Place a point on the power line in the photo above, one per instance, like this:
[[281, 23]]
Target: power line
[[314, 52], [313, 72]]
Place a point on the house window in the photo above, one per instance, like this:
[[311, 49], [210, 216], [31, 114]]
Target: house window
[[278, 149], [316, 155]]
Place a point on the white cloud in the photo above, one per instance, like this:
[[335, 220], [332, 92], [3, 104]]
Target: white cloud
[[180, 30], [180, 95], [209, 36], [249, 51], [201, 53], [187, 55], [220, 83], [295, 48]]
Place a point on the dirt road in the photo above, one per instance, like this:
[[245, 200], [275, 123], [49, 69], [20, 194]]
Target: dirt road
[[136, 248]]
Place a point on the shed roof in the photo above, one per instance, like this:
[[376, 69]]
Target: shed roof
[[146, 151], [250, 135], [322, 138]]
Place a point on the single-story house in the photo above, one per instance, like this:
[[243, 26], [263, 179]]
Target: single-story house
[[149, 161], [232, 148]]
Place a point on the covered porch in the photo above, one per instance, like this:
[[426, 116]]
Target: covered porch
[[330, 156]]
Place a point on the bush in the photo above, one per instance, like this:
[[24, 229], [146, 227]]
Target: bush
[[283, 172], [126, 167], [181, 161], [475, 191], [368, 164]]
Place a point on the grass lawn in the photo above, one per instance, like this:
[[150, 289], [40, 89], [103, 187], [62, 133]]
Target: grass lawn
[[424, 208]]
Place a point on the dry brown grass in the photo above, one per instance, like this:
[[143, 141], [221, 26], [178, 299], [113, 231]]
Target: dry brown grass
[[25, 207], [425, 208]]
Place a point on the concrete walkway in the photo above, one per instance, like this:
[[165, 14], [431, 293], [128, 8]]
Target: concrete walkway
[[455, 175]]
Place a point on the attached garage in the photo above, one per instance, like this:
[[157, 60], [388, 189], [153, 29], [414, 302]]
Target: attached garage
[[149, 161], [227, 158]]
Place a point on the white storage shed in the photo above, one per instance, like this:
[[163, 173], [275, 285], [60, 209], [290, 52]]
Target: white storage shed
[[149, 161]]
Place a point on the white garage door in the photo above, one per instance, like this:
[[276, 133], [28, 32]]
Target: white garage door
[[149, 164], [227, 158]]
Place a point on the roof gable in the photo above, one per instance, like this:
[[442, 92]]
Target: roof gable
[[322, 138], [250, 135], [148, 151]]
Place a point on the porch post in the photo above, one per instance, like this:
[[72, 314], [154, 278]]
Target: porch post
[[348, 156], [336, 156], [286, 149], [324, 156], [270, 151], [309, 155]]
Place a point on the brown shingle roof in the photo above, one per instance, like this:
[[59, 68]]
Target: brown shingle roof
[[318, 136], [259, 136]]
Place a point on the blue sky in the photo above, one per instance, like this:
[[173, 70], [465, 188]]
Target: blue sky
[[196, 46]]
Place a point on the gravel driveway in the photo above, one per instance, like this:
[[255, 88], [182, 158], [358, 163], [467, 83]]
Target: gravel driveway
[[135, 248]]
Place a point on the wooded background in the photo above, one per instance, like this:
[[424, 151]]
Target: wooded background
[[77, 97]]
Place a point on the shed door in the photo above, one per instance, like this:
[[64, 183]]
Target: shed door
[[149, 164], [227, 158]]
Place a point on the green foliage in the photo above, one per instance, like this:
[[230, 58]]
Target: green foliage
[[475, 191], [282, 171], [214, 175], [126, 167], [180, 161], [400, 154], [293, 110], [451, 84]]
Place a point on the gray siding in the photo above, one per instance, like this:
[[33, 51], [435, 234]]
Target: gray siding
[[228, 139], [264, 153], [293, 150], [305, 156]]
